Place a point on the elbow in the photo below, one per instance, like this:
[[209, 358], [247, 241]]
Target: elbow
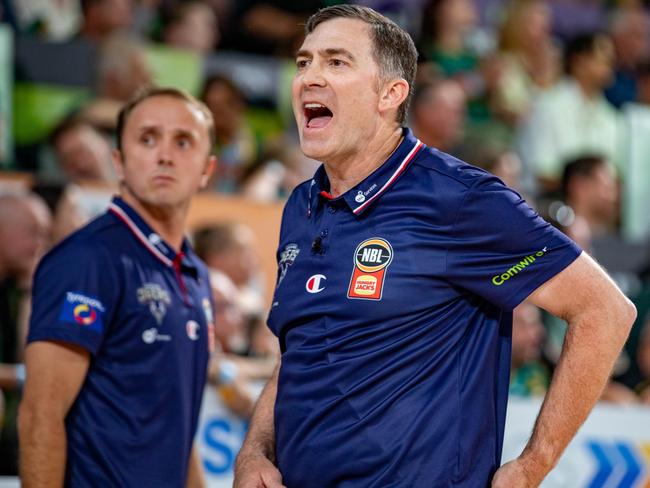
[[624, 315], [628, 315]]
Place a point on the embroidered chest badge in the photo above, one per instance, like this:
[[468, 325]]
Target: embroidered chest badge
[[287, 257], [157, 298], [371, 260]]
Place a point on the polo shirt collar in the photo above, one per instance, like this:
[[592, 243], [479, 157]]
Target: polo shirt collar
[[149, 238], [361, 197]]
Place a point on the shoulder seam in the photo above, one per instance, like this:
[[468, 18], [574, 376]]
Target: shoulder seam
[[468, 191]]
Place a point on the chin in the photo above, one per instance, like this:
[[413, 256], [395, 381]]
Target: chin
[[314, 149]]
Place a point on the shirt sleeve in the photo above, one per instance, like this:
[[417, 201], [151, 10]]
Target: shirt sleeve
[[74, 296], [502, 250]]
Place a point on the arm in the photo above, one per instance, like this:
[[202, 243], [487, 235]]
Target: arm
[[55, 373], [599, 318], [255, 467], [195, 476]]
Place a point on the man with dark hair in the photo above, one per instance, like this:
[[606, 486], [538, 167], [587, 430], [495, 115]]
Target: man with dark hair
[[590, 188], [118, 342], [399, 267], [101, 18], [573, 117], [82, 152], [438, 114]]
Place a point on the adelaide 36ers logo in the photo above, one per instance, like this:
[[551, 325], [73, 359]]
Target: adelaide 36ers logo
[[371, 260]]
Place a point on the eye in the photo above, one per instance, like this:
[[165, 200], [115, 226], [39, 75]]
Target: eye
[[302, 63], [147, 139], [184, 142], [337, 62]]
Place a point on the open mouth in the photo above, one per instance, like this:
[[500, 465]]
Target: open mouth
[[317, 115]]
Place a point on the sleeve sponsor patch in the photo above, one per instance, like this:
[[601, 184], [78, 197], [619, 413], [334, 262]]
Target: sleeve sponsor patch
[[83, 310]]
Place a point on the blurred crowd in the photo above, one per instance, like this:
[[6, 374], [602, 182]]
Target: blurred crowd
[[533, 91]]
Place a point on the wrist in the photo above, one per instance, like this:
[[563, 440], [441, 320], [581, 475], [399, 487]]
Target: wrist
[[536, 463]]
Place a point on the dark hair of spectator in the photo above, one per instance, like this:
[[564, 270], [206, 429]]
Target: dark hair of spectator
[[430, 18], [86, 4], [582, 167], [221, 80], [422, 91], [162, 92], [68, 124], [214, 239], [393, 48], [581, 45]]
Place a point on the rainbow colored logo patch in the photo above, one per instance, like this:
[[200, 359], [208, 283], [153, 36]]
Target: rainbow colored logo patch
[[82, 310]]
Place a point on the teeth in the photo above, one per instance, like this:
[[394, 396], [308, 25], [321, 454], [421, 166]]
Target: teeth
[[314, 105]]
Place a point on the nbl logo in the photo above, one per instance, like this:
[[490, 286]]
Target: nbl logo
[[371, 260], [373, 255]]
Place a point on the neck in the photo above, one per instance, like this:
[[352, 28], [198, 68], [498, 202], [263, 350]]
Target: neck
[[346, 174], [588, 90], [167, 222]]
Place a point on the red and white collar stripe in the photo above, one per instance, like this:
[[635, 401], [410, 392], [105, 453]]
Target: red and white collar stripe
[[400, 169], [123, 216]]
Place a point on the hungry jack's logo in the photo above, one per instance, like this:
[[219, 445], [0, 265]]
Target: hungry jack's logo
[[371, 260]]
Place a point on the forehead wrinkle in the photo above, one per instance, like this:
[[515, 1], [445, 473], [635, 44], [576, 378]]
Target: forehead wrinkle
[[327, 52]]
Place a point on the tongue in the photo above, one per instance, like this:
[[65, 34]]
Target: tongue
[[318, 122]]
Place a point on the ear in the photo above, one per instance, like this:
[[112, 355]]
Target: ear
[[392, 94], [118, 164], [209, 171]]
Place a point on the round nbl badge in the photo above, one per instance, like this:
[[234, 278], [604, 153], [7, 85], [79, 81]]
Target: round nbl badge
[[371, 260]]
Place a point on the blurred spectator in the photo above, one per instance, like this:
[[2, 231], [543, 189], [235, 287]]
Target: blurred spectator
[[590, 188], [233, 384], [448, 27], [56, 20], [270, 26], [236, 145], [573, 117], [122, 70], [494, 156], [191, 25], [529, 375], [438, 114], [531, 61], [70, 213], [643, 83], [443, 37], [24, 235], [82, 152], [102, 18], [229, 248], [277, 172], [630, 33]]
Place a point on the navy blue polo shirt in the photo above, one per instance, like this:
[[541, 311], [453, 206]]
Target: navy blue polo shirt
[[393, 310], [143, 312]]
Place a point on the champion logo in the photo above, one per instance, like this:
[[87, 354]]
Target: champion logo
[[315, 284], [192, 329]]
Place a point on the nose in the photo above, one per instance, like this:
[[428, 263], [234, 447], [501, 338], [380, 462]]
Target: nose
[[164, 153], [312, 75]]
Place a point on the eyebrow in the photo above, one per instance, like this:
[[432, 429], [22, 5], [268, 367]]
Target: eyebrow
[[332, 51], [177, 132]]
